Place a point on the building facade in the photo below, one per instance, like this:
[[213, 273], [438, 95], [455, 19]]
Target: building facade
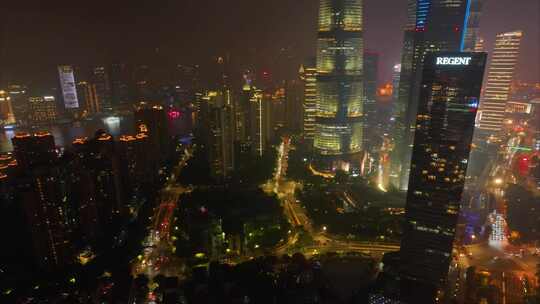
[[339, 86], [499, 79], [309, 76], [432, 26], [42, 109], [448, 101]]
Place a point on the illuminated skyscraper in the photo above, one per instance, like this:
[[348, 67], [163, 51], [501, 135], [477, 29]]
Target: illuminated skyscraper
[[218, 132], [308, 75], [432, 26], [448, 100], [6, 109], [66, 76], [339, 86], [471, 39], [261, 127], [499, 78], [100, 78], [88, 97], [42, 109]]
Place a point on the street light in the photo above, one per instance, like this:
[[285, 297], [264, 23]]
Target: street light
[[498, 181]]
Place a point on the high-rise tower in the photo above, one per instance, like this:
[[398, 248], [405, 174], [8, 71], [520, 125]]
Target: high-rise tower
[[499, 78], [432, 26], [448, 99], [338, 131]]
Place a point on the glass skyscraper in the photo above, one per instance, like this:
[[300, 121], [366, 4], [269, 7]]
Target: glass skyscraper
[[339, 126], [432, 26], [448, 100]]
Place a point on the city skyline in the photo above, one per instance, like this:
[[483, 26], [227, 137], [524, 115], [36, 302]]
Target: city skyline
[[97, 27], [310, 151]]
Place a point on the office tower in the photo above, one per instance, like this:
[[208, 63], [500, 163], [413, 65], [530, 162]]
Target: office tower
[[308, 74], [143, 86], [100, 78], [66, 76], [42, 109], [152, 121], [338, 131], [432, 25], [187, 83], [294, 104], [396, 71], [499, 79], [88, 97], [120, 80], [371, 70], [19, 101], [7, 115], [278, 111], [448, 100], [261, 130], [217, 136], [242, 114], [471, 38], [41, 196]]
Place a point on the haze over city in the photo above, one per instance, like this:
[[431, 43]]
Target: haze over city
[[322, 152]]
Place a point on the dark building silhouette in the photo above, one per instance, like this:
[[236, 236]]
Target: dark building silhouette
[[447, 105]]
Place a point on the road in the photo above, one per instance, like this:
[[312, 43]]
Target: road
[[157, 257], [298, 217]]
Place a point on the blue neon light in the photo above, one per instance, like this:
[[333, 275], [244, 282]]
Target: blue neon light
[[465, 25], [422, 10]]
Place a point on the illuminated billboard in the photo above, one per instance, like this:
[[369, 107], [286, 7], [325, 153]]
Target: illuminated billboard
[[67, 84]]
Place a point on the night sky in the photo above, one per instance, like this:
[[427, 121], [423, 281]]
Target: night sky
[[36, 38]]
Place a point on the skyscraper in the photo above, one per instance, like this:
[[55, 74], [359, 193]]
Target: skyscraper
[[260, 121], [68, 87], [432, 25], [88, 97], [218, 133], [42, 109], [308, 75], [7, 115], [472, 38], [448, 100], [100, 78], [152, 121], [338, 129], [371, 70], [120, 80], [499, 78]]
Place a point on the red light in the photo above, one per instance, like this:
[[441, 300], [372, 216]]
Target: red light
[[174, 114], [456, 28]]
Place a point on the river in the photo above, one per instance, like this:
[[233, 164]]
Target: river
[[65, 133]]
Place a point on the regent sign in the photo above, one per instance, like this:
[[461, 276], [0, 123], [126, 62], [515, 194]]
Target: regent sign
[[453, 60]]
